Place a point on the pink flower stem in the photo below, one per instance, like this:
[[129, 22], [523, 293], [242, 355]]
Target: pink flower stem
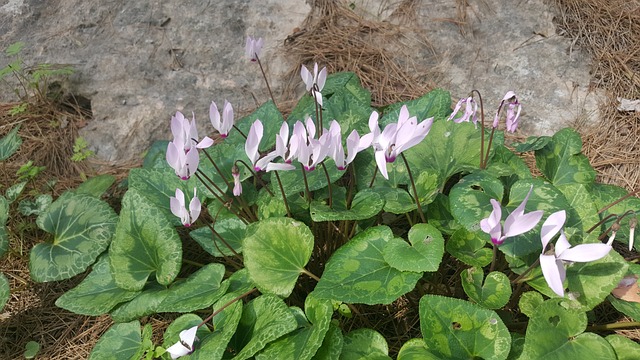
[[307, 193], [521, 276], [216, 167], [481, 127]]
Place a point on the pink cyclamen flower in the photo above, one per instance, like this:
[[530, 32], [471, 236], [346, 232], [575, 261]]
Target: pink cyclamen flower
[[355, 144], [252, 48], [552, 260], [184, 163], [513, 111], [178, 208], [396, 137], [314, 82], [185, 345], [186, 133], [470, 112], [253, 142], [516, 223], [226, 124], [237, 185]]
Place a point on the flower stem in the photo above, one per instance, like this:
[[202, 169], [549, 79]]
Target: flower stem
[[373, 178], [255, 176], [521, 276], [284, 197], [413, 187], [481, 127], [226, 305], [615, 326], [264, 75], [486, 158], [307, 193], [493, 258], [326, 174], [216, 167]]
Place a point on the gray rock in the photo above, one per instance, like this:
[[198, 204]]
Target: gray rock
[[140, 61]]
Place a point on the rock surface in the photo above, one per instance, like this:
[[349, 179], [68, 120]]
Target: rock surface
[[140, 61]]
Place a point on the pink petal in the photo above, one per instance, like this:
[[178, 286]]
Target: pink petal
[[554, 273], [253, 141], [214, 116], [522, 224], [551, 226], [585, 252], [381, 161], [322, 77], [307, 78]]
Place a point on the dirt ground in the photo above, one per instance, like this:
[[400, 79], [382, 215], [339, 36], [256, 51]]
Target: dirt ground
[[608, 30]]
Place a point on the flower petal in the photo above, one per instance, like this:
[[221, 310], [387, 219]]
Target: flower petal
[[585, 252], [553, 272], [551, 226]]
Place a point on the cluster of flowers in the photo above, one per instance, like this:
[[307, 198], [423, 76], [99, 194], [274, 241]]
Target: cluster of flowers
[[552, 258], [509, 101]]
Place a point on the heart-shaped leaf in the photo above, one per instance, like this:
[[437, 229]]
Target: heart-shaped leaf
[[198, 291], [357, 272], [424, 253], [493, 293], [145, 243], [36, 206], [529, 302], [458, 329], [625, 348], [97, 185], [276, 252], [82, 227], [470, 198], [555, 331]]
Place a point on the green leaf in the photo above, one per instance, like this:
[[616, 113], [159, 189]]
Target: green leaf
[[14, 48], [364, 344], [424, 253], [31, 349], [97, 185], [276, 252], [331, 345], [555, 331], [436, 103], [507, 165], [157, 186], [146, 303], [493, 293], [449, 148], [532, 143], [416, 349], [625, 348], [36, 206], [397, 200], [4, 291], [97, 294], [232, 230], [469, 199], [529, 302], [469, 247], [264, 319], [156, 156], [213, 345], [562, 162], [120, 342], [458, 329], [579, 198], [198, 291], [145, 243], [357, 272], [303, 343], [82, 227], [10, 143], [365, 204], [15, 190], [4, 211]]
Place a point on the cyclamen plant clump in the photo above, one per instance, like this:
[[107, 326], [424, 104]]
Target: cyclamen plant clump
[[313, 227]]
